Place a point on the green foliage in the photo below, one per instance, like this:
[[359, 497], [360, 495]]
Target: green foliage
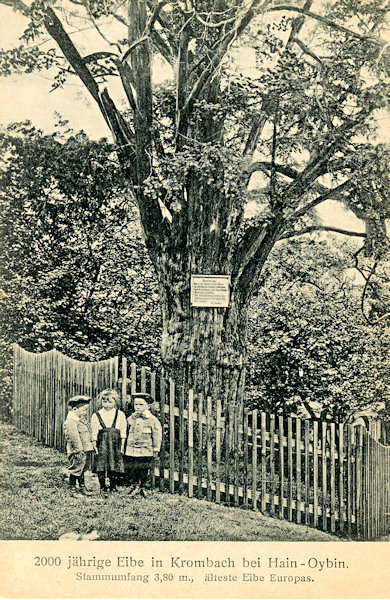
[[74, 265], [309, 342]]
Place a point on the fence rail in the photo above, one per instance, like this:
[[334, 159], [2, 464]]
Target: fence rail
[[331, 476]]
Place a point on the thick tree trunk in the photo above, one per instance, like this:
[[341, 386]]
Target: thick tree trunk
[[205, 348]]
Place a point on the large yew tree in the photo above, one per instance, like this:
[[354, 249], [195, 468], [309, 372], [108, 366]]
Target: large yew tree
[[225, 160]]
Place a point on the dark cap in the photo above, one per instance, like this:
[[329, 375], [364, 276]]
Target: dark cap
[[147, 397], [77, 401]]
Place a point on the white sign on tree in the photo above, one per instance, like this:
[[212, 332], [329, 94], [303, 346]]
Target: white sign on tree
[[210, 291]]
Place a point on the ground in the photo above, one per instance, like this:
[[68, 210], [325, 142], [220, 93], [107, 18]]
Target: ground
[[35, 504]]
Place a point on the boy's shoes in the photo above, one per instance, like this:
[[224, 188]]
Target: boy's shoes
[[135, 491], [142, 493], [83, 490]]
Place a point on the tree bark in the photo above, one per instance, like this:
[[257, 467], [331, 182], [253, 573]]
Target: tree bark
[[203, 348]]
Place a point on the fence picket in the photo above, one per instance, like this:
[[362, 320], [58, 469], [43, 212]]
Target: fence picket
[[359, 482], [133, 378], [245, 457], [171, 436], [200, 445], [290, 469], [143, 379], [307, 473], [281, 467], [332, 478], [124, 382], [315, 473], [272, 464], [349, 479], [218, 452], [190, 443], [162, 421], [181, 441], [298, 468], [227, 456], [263, 425], [153, 384], [324, 477], [209, 448], [254, 459], [341, 477]]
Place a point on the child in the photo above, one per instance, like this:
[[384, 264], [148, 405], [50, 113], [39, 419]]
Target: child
[[78, 442], [143, 442], [108, 437]]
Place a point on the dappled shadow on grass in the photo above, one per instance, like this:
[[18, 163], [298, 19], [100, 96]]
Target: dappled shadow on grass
[[36, 504]]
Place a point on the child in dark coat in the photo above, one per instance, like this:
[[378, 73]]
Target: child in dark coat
[[143, 442], [79, 446], [108, 437]]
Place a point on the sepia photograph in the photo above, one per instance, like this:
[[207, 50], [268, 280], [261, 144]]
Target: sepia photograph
[[195, 298]]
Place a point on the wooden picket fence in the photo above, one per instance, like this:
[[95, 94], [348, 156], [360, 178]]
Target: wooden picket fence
[[42, 384], [330, 476]]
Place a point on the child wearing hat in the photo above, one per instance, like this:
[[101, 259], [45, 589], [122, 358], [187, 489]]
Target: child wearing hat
[[143, 442], [108, 437], [79, 446]]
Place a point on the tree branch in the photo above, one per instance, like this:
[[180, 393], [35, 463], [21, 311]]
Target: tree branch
[[259, 123], [219, 50], [98, 56], [254, 133], [149, 28], [16, 5], [265, 166], [365, 291], [318, 164], [127, 80], [182, 80], [327, 22], [162, 47], [321, 228], [326, 196], [307, 51], [58, 33]]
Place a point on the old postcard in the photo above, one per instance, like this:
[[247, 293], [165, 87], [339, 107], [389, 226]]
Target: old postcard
[[194, 299]]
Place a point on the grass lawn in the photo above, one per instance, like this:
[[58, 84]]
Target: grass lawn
[[35, 504]]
